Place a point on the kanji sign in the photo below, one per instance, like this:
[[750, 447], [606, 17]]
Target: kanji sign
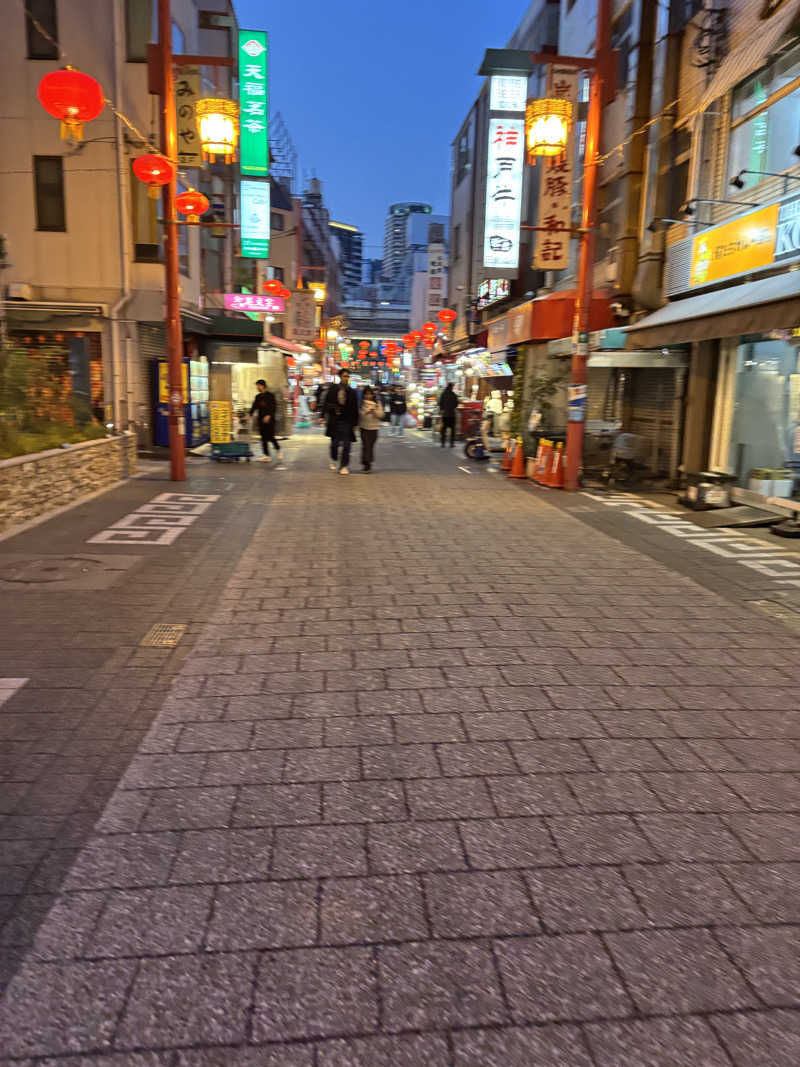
[[555, 183], [187, 93], [253, 103], [302, 316], [508, 92], [504, 169], [254, 208], [271, 305]]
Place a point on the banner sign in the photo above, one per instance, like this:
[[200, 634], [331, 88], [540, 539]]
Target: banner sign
[[302, 325], [255, 218], [221, 421], [253, 103], [555, 182], [271, 305], [504, 170], [187, 93]]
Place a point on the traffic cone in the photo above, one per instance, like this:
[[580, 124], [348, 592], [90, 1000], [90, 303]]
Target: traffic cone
[[556, 474], [506, 464], [542, 467], [518, 463]]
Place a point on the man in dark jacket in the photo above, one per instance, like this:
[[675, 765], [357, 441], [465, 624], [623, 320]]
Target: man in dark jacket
[[264, 409], [340, 409], [448, 405], [397, 406]]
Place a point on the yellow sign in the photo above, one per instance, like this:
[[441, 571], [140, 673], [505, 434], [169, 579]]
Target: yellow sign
[[220, 411], [737, 247], [163, 383]]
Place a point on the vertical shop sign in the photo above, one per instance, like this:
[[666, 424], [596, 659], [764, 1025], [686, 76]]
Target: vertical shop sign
[[508, 92], [254, 208], [253, 103], [187, 93], [302, 316], [504, 168], [555, 183]]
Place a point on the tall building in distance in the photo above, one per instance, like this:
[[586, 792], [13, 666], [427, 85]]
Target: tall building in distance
[[395, 237], [348, 245]]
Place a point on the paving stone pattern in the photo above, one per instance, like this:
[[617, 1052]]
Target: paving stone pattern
[[450, 779]]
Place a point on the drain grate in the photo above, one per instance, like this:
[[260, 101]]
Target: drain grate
[[777, 611], [163, 635]]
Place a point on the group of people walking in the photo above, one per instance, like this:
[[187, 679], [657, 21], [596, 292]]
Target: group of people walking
[[342, 411]]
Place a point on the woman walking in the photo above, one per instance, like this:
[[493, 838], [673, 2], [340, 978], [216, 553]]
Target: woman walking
[[370, 419]]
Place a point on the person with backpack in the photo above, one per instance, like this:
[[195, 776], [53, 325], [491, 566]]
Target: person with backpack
[[448, 405], [264, 408]]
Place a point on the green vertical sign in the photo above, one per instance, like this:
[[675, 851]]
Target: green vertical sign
[[253, 103]]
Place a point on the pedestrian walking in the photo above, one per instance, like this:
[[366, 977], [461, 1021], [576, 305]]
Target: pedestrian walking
[[370, 420], [448, 405], [397, 407], [340, 410], [263, 408]]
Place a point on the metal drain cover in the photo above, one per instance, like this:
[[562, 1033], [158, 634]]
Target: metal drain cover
[[36, 572], [163, 635]]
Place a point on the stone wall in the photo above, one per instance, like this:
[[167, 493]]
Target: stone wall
[[43, 481]]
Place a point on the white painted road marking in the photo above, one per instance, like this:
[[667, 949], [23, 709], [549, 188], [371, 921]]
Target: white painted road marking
[[9, 686], [159, 522]]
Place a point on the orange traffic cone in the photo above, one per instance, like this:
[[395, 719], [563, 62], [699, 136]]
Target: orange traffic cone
[[556, 473], [542, 467], [506, 464], [518, 463]]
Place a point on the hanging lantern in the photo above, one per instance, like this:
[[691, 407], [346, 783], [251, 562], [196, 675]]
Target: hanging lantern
[[429, 327], [547, 125], [272, 286], [446, 315], [284, 293], [192, 204], [154, 171], [218, 121], [363, 344], [318, 343], [72, 97], [415, 336]]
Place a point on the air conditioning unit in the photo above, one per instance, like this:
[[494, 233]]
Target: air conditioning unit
[[20, 291]]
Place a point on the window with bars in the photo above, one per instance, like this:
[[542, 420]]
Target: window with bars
[[41, 37]]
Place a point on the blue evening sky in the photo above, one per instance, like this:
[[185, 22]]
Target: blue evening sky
[[374, 92]]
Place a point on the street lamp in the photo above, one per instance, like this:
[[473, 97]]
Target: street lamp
[[547, 124], [218, 120]]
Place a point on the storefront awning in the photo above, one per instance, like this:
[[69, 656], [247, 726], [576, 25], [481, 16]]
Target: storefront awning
[[652, 359], [754, 307], [752, 54]]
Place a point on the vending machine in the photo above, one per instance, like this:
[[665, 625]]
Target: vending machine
[[195, 401]]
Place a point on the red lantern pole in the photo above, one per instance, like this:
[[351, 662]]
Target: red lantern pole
[[583, 303], [169, 137]]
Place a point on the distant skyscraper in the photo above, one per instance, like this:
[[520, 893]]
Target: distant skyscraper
[[395, 240], [348, 241]]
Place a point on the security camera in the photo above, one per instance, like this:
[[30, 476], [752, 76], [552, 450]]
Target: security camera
[[736, 181], [687, 209]]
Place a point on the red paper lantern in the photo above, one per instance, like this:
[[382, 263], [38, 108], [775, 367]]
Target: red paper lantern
[[192, 204], [363, 344], [72, 97], [284, 293], [415, 336], [273, 286], [429, 327], [446, 315], [154, 171], [317, 343]]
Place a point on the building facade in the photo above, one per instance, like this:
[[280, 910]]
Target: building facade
[[395, 236], [348, 245]]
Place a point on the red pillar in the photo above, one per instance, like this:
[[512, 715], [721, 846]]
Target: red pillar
[[583, 302], [169, 133]]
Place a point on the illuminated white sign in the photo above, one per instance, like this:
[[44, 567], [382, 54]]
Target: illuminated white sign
[[255, 217], [492, 290], [508, 92], [504, 170]]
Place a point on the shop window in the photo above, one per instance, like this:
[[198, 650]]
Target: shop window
[[766, 120], [41, 27], [277, 274], [48, 175]]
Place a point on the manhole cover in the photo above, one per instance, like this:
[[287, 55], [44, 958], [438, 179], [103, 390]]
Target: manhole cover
[[49, 569], [163, 635]]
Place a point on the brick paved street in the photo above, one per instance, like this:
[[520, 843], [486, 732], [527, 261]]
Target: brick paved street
[[447, 777]]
